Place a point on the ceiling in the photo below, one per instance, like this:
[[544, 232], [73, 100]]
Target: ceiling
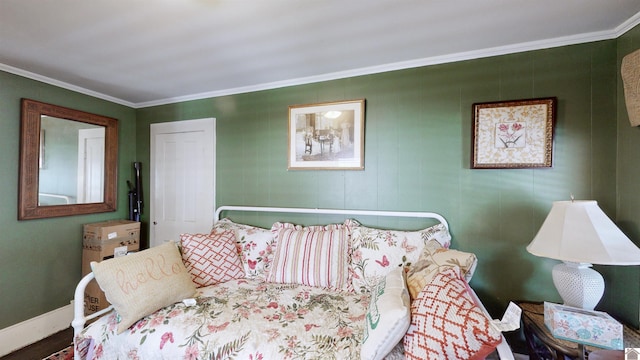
[[142, 53]]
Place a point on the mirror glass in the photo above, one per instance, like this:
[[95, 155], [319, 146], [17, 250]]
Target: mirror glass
[[68, 162], [71, 162]]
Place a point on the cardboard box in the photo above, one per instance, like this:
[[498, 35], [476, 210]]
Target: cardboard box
[[588, 327], [108, 230], [94, 299], [106, 250], [102, 241]]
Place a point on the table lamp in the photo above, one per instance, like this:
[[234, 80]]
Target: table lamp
[[580, 234]]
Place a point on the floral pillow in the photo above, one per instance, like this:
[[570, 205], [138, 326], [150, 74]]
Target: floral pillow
[[284, 225], [255, 246], [314, 256], [212, 258], [447, 324], [375, 252], [433, 260], [388, 316]]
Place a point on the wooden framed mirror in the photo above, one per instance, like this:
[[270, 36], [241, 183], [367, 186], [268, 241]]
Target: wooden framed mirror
[[68, 162]]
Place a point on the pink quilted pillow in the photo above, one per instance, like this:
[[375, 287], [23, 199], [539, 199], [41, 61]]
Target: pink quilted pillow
[[211, 258], [447, 324]]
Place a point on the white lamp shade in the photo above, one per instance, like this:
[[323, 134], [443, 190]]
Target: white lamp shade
[[579, 231]]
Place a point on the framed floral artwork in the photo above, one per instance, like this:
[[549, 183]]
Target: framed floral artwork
[[327, 136], [513, 134]]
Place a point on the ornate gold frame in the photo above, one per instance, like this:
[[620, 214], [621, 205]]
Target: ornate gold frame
[[513, 134]]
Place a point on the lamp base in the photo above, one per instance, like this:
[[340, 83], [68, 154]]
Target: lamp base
[[578, 284]]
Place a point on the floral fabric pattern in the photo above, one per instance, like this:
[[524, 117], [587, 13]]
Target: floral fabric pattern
[[255, 247], [239, 319], [375, 252], [512, 134], [433, 260]]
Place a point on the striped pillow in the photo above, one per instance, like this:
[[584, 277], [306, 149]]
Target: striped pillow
[[312, 256]]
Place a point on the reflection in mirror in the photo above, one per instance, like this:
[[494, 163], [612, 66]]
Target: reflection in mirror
[[71, 162], [68, 162]]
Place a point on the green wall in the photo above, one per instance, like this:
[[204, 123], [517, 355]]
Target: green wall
[[625, 284], [40, 259], [417, 154]]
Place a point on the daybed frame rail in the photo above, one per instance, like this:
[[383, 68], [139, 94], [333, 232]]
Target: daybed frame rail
[[79, 320], [412, 214]]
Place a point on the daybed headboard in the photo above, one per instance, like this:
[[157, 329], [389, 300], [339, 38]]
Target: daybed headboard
[[264, 209]]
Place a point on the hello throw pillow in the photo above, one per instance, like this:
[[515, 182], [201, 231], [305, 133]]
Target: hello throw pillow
[[140, 283]]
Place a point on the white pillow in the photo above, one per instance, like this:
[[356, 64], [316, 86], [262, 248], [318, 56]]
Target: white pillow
[[141, 283], [388, 317]]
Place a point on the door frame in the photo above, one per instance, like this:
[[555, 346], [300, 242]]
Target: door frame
[[81, 186], [208, 125]]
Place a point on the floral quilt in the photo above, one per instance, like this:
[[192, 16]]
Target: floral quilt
[[238, 319]]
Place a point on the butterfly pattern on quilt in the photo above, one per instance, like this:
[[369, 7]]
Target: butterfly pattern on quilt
[[244, 317], [384, 262], [399, 248]]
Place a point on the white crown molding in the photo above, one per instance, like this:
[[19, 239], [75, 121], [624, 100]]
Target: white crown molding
[[627, 25], [64, 85], [469, 55]]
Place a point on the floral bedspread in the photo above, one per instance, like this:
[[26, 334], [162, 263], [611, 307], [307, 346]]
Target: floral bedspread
[[239, 319]]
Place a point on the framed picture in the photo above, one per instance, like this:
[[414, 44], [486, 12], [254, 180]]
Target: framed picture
[[513, 134], [327, 136]]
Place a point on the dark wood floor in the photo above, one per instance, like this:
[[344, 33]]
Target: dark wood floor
[[44, 347]]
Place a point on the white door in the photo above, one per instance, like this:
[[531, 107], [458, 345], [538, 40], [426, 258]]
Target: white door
[[90, 165], [182, 196]]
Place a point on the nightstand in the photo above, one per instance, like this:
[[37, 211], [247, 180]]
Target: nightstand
[[542, 345]]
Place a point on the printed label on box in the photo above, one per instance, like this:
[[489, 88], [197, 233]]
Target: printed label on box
[[120, 251]]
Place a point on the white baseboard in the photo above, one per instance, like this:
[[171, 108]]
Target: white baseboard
[[29, 331]]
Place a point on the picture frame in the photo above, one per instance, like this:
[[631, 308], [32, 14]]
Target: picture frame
[[513, 134], [326, 136]]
